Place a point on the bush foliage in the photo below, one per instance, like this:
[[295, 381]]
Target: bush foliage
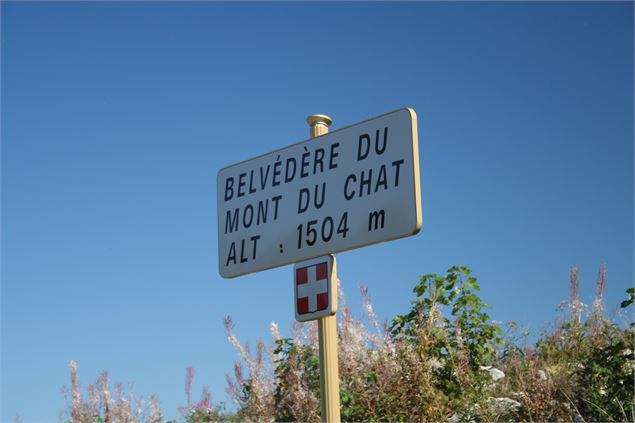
[[443, 360]]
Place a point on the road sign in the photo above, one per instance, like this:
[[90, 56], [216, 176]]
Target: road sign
[[352, 187], [315, 288]]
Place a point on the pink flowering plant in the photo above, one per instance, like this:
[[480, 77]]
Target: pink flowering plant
[[442, 360]]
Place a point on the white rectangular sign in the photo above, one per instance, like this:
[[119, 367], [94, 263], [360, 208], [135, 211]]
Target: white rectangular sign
[[352, 187]]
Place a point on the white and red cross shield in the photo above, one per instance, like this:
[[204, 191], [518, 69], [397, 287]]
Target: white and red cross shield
[[315, 288]]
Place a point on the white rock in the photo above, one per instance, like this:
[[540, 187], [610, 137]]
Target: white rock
[[496, 374], [502, 405], [456, 418]]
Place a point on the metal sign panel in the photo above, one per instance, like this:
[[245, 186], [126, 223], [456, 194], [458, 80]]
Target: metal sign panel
[[315, 288], [352, 187]]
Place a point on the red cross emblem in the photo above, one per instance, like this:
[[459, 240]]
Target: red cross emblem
[[314, 282]]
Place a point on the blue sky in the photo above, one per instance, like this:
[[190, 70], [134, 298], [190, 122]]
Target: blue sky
[[116, 118]]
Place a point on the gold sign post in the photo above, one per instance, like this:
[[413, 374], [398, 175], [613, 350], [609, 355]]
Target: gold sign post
[[327, 326]]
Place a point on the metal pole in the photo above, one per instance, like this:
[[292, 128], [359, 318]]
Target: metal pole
[[327, 326]]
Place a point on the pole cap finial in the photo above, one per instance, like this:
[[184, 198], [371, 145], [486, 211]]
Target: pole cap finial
[[319, 120]]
